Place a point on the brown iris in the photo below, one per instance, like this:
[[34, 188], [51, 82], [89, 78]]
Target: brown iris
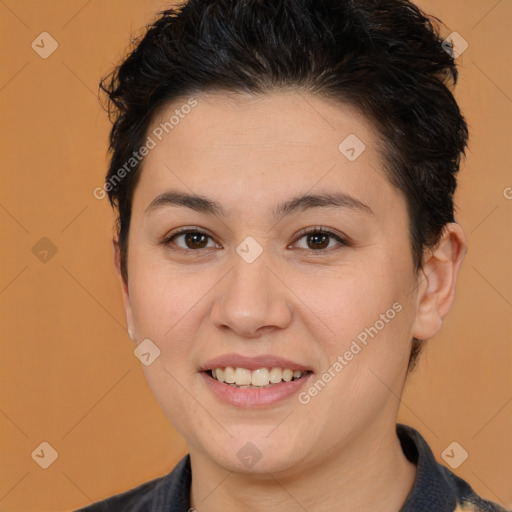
[[318, 241], [196, 240]]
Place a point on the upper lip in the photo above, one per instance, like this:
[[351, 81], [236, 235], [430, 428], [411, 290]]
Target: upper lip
[[252, 363]]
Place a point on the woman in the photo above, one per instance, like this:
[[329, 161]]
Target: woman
[[284, 176]]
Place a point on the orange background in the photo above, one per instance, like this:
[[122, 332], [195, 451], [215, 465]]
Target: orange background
[[69, 376]]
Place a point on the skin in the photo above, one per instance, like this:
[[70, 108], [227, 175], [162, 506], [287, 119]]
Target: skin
[[249, 154]]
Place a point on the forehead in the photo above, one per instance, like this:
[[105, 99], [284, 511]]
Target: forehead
[[261, 148], [268, 124]]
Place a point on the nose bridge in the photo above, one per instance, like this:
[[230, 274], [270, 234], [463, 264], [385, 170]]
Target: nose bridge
[[251, 297]]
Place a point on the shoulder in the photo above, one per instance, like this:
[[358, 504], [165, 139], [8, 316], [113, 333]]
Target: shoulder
[[467, 499], [436, 487], [138, 499], [169, 492]]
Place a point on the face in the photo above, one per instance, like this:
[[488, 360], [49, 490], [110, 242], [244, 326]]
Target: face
[[294, 256]]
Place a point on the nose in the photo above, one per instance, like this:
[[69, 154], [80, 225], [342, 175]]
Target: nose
[[251, 300]]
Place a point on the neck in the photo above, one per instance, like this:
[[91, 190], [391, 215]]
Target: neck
[[371, 473]]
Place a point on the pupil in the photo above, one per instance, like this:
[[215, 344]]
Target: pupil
[[195, 239], [317, 241]]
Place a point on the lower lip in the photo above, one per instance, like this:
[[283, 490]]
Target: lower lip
[[257, 397]]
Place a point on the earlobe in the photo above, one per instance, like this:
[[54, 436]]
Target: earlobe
[[437, 282], [124, 290]]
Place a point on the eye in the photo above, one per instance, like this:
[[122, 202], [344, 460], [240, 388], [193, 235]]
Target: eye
[[190, 239], [316, 239], [319, 239]]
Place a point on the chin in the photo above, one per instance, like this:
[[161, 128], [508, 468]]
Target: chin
[[256, 453]]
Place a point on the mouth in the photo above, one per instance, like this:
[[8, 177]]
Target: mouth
[[259, 378], [253, 382]]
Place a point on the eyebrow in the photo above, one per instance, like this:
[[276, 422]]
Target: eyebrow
[[204, 205], [327, 199], [197, 203]]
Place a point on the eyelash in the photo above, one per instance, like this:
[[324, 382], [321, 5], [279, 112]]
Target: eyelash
[[317, 230]]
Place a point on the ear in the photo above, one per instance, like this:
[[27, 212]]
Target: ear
[[437, 281], [124, 288]]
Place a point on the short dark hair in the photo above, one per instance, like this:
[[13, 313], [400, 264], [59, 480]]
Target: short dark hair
[[383, 57]]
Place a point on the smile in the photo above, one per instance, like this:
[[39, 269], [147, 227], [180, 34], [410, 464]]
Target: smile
[[261, 377]]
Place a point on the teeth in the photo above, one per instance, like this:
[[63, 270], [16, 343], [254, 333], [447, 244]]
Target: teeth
[[229, 375], [258, 378], [287, 375], [276, 375], [242, 377]]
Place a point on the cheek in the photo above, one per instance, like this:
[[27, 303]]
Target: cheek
[[163, 298], [354, 301], [167, 309], [366, 349], [365, 365]]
